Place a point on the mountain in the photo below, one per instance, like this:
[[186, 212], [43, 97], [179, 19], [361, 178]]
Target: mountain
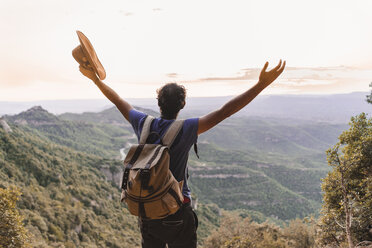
[[70, 198], [70, 193], [95, 138], [68, 168], [65, 199], [56, 106], [245, 162], [108, 116]]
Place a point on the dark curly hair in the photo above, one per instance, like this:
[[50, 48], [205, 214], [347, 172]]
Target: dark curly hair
[[171, 99]]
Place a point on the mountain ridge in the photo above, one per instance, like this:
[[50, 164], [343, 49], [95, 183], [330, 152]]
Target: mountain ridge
[[309, 107]]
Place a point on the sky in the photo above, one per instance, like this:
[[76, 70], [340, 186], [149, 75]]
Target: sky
[[214, 48]]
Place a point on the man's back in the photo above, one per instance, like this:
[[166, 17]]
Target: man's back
[[179, 151], [179, 229]]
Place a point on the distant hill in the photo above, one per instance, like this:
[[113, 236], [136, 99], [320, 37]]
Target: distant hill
[[109, 116], [91, 137], [56, 106], [335, 108], [274, 136]]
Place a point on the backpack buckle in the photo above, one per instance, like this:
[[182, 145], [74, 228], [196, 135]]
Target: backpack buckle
[[124, 182]]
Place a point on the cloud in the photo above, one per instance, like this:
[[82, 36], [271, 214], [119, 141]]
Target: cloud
[[172, 75], [291, 73], [326, 68], [318, 80], [308, 75], [248, 74], [125, 13], [325, 79]]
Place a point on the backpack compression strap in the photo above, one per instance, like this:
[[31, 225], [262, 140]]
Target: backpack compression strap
[[172, 133], [146, 129]]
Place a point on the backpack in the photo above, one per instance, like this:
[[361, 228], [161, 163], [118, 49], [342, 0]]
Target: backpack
[[148, 186]]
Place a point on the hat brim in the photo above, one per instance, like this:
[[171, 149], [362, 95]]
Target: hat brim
[[91, 55]]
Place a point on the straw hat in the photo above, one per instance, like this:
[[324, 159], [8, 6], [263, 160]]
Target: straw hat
[[85, 55]]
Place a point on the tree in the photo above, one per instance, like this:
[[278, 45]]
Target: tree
[[12, 231], [300, 233], [369, 97], [238, 232], [347, 208]]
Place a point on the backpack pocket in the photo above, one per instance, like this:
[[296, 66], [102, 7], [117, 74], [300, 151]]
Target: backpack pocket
[[158, 206], [173, 199]]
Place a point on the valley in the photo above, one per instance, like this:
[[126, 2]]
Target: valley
[[268, 168]]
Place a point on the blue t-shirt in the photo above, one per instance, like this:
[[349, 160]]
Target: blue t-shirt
[[179, 151]]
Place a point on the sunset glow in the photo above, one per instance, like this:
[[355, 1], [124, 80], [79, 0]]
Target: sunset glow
[[214, 48]]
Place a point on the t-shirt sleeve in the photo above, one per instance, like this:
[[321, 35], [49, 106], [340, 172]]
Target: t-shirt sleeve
[[190, 131], [137, 118]]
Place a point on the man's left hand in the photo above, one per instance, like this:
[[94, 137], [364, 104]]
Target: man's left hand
[[267, 77]]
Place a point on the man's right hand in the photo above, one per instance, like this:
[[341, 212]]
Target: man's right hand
[[89, 73]]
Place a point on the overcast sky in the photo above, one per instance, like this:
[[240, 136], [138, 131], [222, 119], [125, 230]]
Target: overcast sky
[[212, 47]]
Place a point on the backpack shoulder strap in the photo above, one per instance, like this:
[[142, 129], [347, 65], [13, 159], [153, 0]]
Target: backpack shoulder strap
[[172, 133], [146, 129]]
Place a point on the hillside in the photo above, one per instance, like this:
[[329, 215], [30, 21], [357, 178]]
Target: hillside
[[69, 172], [270, 135], [264, 147], [66, 200], [245, 162], [70, 198]]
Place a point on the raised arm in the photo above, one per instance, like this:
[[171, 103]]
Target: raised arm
[[237, 103], [123, 106]]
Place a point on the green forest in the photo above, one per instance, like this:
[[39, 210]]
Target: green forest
[[277, 184]]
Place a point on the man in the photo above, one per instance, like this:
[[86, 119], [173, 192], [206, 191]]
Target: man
[[179, 229]]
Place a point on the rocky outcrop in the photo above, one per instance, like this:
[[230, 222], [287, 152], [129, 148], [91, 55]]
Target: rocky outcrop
[[35, 116], [194, 203], [112, 175], [5, 125]]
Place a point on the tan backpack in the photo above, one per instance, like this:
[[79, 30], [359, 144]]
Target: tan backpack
[[149, 187]]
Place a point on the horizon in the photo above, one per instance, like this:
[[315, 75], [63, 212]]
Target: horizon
[[189, 97], [144, 44], [263, 105]]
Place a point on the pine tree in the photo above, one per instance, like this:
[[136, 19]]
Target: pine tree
[[369, 97], [347, 208]]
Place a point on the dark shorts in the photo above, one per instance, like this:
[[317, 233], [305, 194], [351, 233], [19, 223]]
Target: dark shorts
[[177, 230]]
